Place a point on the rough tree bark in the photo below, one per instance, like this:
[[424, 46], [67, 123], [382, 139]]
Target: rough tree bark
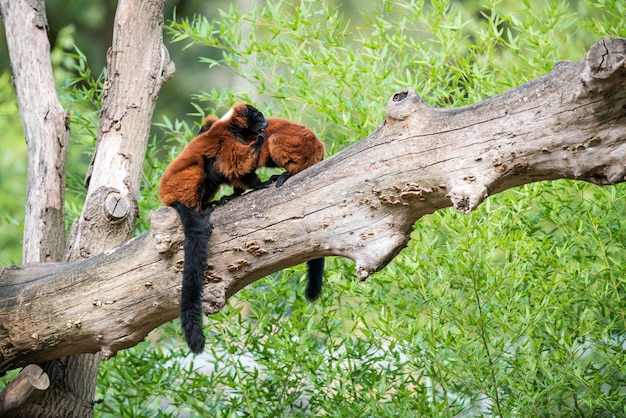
[[25, 388], [46, 132], [570, 123], [138, 65], [46, 129]]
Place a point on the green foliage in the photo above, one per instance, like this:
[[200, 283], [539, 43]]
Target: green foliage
[[13, 181], [533, 300], [306, 59]]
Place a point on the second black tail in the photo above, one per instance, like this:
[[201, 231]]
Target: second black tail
[[197, 229], [315, 276]]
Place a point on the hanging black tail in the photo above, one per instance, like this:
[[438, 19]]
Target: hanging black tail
[[315, 275], [197, 229]]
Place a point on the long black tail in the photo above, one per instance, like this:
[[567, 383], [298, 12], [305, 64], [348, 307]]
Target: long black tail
[[315, 276], [197, 229]]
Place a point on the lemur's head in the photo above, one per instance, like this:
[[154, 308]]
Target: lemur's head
[[256, 121], [245, 119]]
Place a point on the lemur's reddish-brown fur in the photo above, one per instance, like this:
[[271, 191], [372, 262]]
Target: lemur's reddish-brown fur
[[293, 147], [226, 153], [288, 145]]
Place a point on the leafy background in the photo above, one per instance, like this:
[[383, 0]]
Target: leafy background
[[516, 309]]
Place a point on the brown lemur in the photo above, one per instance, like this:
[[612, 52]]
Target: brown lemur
[[227, 153], [294, 147]]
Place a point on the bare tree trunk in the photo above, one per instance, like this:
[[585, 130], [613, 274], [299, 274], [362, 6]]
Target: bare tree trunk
[[568, 124], [138, 65], [46, 132], [45, 127]]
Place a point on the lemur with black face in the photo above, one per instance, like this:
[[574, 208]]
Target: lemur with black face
[[294, 147], [227, 153]]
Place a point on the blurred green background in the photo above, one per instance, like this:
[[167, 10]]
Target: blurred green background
[[516, 309]]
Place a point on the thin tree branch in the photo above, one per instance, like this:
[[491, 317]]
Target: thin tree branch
[[26, 387]]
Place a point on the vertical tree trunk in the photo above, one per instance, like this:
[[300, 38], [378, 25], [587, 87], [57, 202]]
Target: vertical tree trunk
[[46, 132], [138, 65], [45, 127]]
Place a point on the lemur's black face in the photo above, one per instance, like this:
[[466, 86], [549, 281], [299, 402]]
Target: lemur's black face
[[256, 120]]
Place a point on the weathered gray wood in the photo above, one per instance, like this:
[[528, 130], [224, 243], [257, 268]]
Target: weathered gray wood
[[96, 313], [45, 125], [28, 385], [138, 64], [361, 203], [46, 132]]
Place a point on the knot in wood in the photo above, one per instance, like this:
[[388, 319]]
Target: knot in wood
[[399, 96], [117, 206], [606, 57], [402, 104]]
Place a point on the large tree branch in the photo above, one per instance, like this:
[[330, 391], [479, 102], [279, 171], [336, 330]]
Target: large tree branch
[[361, 203]]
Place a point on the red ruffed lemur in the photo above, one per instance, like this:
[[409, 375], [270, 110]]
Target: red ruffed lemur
[[227, 153], [294, 147]]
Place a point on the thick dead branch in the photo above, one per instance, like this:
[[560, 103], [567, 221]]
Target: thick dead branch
[[361, 203], [29, 384]]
